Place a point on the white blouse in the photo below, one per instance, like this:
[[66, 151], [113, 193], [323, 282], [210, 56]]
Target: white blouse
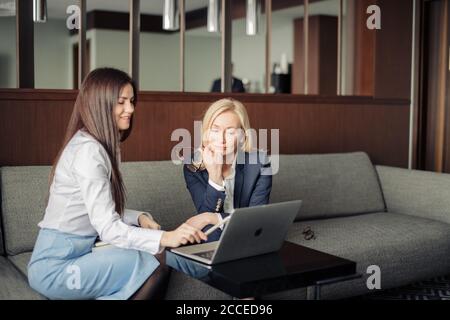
[[81, 200]]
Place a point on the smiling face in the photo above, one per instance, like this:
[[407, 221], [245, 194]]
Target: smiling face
[[224, 133], [124, 108]]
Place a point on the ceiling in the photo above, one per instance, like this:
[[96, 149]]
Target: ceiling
[[324, 7], [57, 8]]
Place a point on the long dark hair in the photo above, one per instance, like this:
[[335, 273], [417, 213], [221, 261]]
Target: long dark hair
[[94, 113]]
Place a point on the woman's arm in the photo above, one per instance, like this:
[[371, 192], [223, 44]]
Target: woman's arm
[[263, 186], [205, 198], [139, 219]]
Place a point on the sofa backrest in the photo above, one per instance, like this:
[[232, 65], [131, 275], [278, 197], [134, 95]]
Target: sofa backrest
[[330, 185], [157, 187], [419, 193], [2, 247], [24, 192]]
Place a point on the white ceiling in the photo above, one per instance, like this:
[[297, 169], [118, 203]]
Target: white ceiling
[[325, 7], [7, 8], [57, 8]]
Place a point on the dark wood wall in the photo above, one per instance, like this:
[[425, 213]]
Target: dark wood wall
[[322, 56], [34, 121], [393, 50], [383, 57], [364, 51]]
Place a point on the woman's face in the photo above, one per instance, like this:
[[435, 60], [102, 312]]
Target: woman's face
[[224, 133], [125, 107]]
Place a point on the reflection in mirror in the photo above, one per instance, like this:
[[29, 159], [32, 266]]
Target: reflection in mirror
[[8, 44], [202, 48], [107, 46], [53, 60], [358, 45], [248, 51], [160, 49], [282, 48], [287, 48], [322, 48]]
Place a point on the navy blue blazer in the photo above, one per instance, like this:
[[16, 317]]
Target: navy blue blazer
[[252, 186]]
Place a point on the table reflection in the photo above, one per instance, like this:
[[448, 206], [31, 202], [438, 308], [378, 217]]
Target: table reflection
[[187, 266]]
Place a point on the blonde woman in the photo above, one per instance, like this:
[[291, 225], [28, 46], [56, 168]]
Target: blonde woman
[[230, 174]]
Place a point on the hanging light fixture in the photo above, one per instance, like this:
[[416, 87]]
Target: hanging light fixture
[[252, 18], [40, 10], [7, 8], [213, 23], [171, 16]]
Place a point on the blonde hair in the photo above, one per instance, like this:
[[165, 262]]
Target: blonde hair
[[221, 106]]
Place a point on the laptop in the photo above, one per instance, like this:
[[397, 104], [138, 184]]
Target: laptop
[[250, 232]]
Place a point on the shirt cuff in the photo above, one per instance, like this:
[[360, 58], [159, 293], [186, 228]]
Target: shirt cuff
[[216, 186], [131, 217], [148, 240], [219, 216]]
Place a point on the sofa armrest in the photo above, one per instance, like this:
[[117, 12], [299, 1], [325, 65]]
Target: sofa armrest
[[418, 193]]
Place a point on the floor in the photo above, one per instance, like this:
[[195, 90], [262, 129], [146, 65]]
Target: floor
[[433, 289]]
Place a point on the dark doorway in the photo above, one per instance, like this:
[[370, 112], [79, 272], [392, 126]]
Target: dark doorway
[[433, 138]]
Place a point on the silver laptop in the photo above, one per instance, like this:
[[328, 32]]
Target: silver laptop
[[250, 232]]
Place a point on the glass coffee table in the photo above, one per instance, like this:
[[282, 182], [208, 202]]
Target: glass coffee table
[[292, 267]]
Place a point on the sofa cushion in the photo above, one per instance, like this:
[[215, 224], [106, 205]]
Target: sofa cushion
[[330, 185], [14, 285], [2, 245], [181, 286], [159, 188], [24, 191], [406, 248], [419, 193], [20, 261]]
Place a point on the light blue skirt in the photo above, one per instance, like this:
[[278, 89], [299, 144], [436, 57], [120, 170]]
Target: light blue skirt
[[65, 266]]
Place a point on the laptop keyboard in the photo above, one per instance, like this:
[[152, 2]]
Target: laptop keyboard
[[206, 254]]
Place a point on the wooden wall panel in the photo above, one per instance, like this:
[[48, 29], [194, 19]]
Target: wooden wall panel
[[364, 51], [393, 55], [322, 49], [34, 127]]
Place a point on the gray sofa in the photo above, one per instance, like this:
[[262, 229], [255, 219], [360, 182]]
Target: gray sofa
[[394, 218]]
